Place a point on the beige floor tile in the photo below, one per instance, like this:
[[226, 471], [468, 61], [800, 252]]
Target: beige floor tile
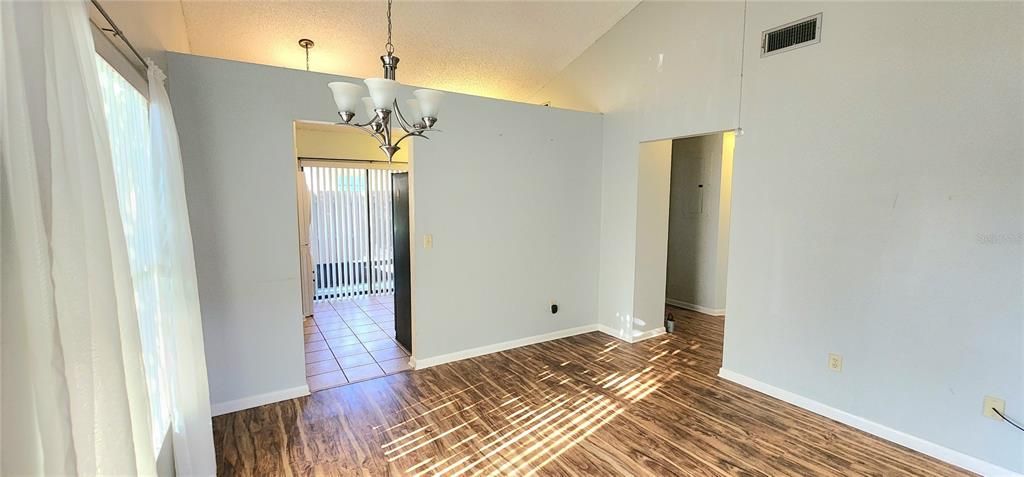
[[356, 360], [333, 326], [346, 350], [387, 354], [344, 340], [360, 373], [393, 366], [378, 345], [321, 367], [317, 356], [337, 333], [367, 328], [326, 380], [378, 317], [351, 322], [316, 346], [374, 307], [372, 336]]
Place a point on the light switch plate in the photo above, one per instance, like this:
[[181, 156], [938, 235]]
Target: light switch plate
[[428, 241]]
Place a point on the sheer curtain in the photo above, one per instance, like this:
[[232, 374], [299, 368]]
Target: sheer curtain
[[74, 396], [179, 295]]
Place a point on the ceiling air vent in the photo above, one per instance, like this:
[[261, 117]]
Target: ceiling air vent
[[803, 32]]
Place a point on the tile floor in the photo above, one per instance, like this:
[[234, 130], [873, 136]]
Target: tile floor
[[352, 340]]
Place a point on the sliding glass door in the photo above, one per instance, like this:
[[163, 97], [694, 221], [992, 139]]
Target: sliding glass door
[[350, 231]]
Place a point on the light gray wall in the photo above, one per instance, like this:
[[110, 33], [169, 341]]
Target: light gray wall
[[510, 192], [877, 198], [654, 170], [666, 70], [694, 218], [874, 169]]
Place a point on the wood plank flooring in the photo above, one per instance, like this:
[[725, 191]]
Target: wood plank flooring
[[585, 405]]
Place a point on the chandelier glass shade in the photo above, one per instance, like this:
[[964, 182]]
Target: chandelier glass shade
[[381, 105]]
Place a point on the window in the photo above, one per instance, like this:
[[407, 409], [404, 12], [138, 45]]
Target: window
[[127, 113]]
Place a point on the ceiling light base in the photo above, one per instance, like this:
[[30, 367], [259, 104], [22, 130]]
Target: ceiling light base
[[390, 63]]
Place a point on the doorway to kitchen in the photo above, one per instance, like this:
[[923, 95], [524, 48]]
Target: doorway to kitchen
[[349, 252]]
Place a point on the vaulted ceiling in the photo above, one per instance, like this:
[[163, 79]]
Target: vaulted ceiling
[[502, 49]]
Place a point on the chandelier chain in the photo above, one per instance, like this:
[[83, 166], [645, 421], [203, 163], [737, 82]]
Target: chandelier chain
[[389, 47]]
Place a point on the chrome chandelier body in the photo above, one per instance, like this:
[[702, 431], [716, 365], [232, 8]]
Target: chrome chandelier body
[[382, 104]]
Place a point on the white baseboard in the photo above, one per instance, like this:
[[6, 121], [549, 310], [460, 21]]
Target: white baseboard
[[647, 335], [258, 400], [622, 335], [494, 348], [608, 330], [944, 454], [697, 308]]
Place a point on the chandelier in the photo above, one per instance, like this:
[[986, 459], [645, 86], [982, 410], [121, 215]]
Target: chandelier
[[382, 104]]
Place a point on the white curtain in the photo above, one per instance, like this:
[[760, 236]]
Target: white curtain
[[179, 295], [73, 390]]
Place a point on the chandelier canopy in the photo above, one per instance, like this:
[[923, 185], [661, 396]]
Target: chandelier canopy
[[382, 104]]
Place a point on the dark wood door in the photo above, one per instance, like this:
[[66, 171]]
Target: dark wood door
[[403, 279]]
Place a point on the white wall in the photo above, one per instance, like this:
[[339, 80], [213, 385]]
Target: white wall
[[510, 192], [874, 168], [877, 199], [694, 277], [655, 171], [666, 70]]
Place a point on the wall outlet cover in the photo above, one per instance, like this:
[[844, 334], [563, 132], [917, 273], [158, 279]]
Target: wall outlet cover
[[835, 362], [993, 402]]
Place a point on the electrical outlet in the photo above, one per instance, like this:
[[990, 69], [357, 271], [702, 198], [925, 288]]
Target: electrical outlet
[[428, 241], [835, 362], [993, 402]]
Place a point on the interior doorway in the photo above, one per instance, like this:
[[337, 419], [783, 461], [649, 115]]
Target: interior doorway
[[350, 215], [683, 203], [700, 209]]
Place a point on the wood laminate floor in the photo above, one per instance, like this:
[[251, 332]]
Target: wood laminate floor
[[585, 405]]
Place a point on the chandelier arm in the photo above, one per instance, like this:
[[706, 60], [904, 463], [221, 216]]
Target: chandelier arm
[[406, 126], [363, 128], [385, 135], [356, 125], [417, 133]]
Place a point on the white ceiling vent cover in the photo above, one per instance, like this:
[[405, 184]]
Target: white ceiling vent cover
[[793, 35]]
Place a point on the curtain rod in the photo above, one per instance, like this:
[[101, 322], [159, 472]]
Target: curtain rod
[[119, 33]]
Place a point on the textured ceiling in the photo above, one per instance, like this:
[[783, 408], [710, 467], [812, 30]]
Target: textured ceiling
[[501, 49]]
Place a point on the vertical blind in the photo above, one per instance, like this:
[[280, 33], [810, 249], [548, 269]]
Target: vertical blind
[[350, 231]]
